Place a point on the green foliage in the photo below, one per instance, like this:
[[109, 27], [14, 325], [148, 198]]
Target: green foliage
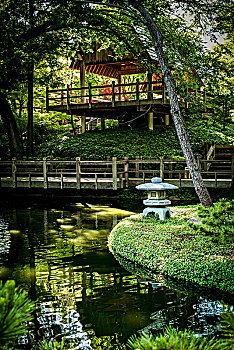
[[176, 250], [98, 343], [148, 144], [227, 326], [176, 340], [15, 310], [109, 124], [217, 220], [108, 343], [53, 345]]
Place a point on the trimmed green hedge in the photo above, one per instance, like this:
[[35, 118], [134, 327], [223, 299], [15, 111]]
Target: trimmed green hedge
[[175, 249]]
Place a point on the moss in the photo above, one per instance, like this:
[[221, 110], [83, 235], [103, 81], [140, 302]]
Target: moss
[[175, 249]]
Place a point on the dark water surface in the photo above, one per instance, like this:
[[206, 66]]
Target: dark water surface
[[60, 255]]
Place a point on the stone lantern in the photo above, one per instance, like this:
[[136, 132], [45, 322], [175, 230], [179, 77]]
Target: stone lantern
[[157, 202]]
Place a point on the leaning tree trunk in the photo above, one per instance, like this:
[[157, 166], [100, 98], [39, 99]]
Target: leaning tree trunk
[[15, 144], [30, 112], [198, 183]]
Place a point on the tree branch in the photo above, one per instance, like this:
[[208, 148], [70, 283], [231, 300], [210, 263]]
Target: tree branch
[[107, 4]]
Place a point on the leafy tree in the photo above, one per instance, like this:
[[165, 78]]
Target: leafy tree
[[218, 220], [145, 23], [139, 24], [30, 31]]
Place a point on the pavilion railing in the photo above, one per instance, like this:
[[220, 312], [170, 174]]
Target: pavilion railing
[[107, 93], [114, 93]]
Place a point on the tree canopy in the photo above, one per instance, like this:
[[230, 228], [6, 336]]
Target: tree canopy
[[37, 32]]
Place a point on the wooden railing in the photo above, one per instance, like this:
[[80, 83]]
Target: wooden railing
[[130, 92], [110, 174], [224, 151], [210, 156], [107, 93], [219, 152]]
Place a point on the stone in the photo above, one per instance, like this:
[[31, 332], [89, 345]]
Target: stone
[[157, 202]]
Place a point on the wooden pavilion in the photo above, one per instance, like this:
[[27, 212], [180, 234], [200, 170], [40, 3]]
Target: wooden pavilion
[[122, 101]]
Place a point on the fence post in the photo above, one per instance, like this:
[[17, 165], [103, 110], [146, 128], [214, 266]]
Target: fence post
[[96, 182], [121, 180], [108, 158], [114, 173], [14, 184], [162, 168], [61, 181], [126, 167], [170, 167], [137, 174], [113, 93], [199, 162], [45, 185], [78, 173], [29, 181]]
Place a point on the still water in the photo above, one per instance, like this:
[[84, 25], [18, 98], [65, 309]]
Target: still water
[[60, 255]]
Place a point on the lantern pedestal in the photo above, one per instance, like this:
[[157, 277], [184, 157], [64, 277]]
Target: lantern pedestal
[[157, 206], [163, 213]]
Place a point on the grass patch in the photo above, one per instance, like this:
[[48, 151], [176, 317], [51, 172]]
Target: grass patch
[[176, 250]]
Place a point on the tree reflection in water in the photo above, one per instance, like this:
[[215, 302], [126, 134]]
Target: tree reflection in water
[[81, 292]]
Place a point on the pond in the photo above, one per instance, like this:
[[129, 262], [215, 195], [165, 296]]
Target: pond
[[59, 254]]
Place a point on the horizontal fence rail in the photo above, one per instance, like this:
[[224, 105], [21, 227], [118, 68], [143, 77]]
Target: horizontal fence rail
[[111, 174]]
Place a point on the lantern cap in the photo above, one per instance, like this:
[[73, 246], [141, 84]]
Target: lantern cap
[[156, 180], [156, 185]]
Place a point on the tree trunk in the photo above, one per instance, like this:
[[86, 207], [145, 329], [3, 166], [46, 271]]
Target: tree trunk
[[198, 183], [30, 113], [30, 85], [15, 143]]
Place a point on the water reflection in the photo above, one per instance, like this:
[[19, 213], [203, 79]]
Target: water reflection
[[81, 291]]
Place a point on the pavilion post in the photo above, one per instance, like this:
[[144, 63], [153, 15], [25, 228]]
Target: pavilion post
[[120, 87], [83, 124], [82, 81], [151, 120], [149, 86], [137, 90], [113, 93]]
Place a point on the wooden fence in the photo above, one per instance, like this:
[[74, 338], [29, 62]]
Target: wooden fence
[[111, 174]]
